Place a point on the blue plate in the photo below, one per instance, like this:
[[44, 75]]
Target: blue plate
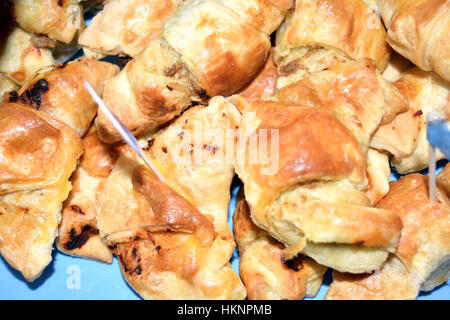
[[71, 278]]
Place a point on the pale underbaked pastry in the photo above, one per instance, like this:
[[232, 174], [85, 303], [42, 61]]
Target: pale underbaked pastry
[[312, 196], [61, 93], [173, 240], [6, 86], [262, 266], [38, 156], [58, 19], [125, 26], [418, 30], [406, 136], [78, 233], [321, 33], [207, 48], [20, 59], [422, 258]]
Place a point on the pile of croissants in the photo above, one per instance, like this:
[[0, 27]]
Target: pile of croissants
[[345, 84]]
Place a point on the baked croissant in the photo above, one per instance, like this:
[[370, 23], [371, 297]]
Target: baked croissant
[[207, 48], [322, 33], [38, 156], [418, 30], [60, 91], [406, 136], [422, 258], [312, 196], [262, 266], [78, 233], [20, 59], [362, 100], [172, 240], [125, 26], [58, 19]]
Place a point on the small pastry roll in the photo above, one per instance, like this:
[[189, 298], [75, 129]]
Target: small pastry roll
[[406, 136], [78, 233], [20, 58], [60, 91], [262, 265], [418, 30], [207, 48], [310, 195], [422, 259], [59, 19], [124, 27], [318, 34], [38, 155], [172, 239]]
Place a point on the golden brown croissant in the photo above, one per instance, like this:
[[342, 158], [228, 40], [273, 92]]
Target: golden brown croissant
[[207, 48], [59, 19], [20, 58], [362, 100], [125, 26], [263, 269], [321, 33], [312, 196], [422, 258], [418, 30], [406, 136], [173, 240], [78, 233], [38, 156], [60, 92]]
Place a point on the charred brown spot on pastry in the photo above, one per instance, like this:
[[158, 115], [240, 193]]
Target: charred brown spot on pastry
[[133, 253], [418, 113], [169, 88], [202, 94], [293, 264], [77, 209], [137, 270], [60, 3], [158, 248], [78, 240], [123, 61], [172, 70], [149, 144], [359, 243], [13, 96], [164, 149], [33, 95], [213, 149]]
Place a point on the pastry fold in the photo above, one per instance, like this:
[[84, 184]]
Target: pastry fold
[[421, 261], [125, 27], [418, 30], [319, 34], [77, 232], [406, 136], [38, 156], [262, 265], [207, 48], [60, 91], [58, 19], [173, 240], [311, 193]]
